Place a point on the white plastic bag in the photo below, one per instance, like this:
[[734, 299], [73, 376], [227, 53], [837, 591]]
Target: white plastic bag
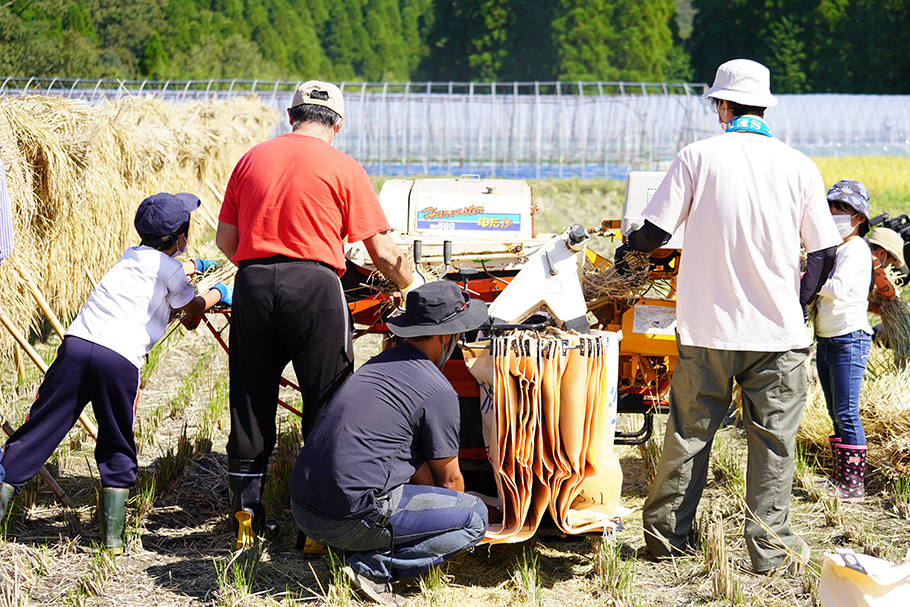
[[859, 580]]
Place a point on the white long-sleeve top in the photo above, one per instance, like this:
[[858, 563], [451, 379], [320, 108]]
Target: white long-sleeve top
[[844, 299]]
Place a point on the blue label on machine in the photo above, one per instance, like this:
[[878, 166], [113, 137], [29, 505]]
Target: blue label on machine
[[468, 218]]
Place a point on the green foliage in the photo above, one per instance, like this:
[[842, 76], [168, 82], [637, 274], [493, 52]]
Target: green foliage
[[817, 46], [154, 61], [809, 45]]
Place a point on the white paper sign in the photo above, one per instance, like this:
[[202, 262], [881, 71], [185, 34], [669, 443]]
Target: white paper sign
[[656, 320]]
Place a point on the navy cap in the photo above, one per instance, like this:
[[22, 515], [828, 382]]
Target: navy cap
[[162, 214]]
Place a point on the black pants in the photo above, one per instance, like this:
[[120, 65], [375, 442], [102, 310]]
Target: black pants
[[283, 311], [83, 371]]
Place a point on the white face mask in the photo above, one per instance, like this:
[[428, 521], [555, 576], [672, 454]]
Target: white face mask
[[844, 225], [447, 354], [180, 250]]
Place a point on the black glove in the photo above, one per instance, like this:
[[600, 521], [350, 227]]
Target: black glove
[[619, 259]]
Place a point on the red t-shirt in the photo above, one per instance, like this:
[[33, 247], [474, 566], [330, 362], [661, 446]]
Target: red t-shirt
[[297, 196]]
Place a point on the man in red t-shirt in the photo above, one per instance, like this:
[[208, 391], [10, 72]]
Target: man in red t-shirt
[[289, 204]]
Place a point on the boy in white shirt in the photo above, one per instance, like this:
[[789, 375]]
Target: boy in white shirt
[[102, 352], [845, 337]]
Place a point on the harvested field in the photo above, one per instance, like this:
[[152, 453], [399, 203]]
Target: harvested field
[[179, 540]]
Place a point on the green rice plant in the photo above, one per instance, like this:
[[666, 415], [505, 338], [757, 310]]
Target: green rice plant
[[184, 396], [140, 504], [613, 575], [75, 597], [650, 452], [902, 497], [526, 578], [276, 495], [340, 593], [59, 460], [728, 467], [236, 576], [834, 516], [147, 426], [172, 463], [153, 359], [804, 471], [102, 565], [212, 414], [433, 586]]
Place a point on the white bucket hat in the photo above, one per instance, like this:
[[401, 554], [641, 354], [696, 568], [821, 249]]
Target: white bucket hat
[[743, 81]]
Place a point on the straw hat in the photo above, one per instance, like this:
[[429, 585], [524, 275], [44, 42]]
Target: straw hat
[[743, 81], [438, 308], [889, 240]]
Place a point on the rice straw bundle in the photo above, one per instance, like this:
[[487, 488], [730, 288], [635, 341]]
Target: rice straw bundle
[[604, 283], [895, 314], [76, 174]]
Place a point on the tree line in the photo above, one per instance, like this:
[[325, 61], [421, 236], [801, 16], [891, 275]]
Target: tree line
[[810, 45]]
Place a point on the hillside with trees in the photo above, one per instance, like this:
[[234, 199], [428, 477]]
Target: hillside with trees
[[810, 45]]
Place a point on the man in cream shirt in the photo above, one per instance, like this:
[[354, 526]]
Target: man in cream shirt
[[748, 200]]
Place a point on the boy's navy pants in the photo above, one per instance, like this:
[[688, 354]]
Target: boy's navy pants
[[82, 372]]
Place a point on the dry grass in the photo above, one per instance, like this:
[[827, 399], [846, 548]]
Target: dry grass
[[76, 174]]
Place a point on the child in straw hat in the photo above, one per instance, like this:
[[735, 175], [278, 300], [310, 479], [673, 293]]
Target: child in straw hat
[[845, 337], [102, 352], [887, 250]]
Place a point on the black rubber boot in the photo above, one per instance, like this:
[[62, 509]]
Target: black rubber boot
[[245, 483], [113, 517]]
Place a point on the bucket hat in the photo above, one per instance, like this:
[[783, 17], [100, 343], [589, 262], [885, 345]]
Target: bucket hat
[[438, 308], [889, 240], [304, 96], [855, 195], [743, 81], [852, 193], [162, 214]]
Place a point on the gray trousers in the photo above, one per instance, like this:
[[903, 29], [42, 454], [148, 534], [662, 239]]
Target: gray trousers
[[774, 396]]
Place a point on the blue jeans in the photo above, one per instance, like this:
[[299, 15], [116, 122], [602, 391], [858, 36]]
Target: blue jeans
[[841, 363], [425, 527]]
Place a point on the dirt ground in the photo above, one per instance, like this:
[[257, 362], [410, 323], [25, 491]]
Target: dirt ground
[[180, 551]]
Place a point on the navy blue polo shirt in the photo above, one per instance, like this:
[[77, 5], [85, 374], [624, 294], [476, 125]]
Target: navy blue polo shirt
[[393, 414]]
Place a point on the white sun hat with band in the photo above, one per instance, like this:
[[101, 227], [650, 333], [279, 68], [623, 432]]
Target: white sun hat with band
[[743, 81]]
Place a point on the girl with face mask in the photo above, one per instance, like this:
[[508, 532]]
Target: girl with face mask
[[845, 337]]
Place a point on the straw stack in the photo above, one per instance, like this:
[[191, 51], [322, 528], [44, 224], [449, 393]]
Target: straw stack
[[76, 174]]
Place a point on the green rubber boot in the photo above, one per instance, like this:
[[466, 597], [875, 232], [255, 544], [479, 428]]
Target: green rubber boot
[[113, 516], [6, 493]]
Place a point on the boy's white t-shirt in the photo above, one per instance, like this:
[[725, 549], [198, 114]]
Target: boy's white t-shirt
[[843, 301], [748, 201], [130, 308]]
